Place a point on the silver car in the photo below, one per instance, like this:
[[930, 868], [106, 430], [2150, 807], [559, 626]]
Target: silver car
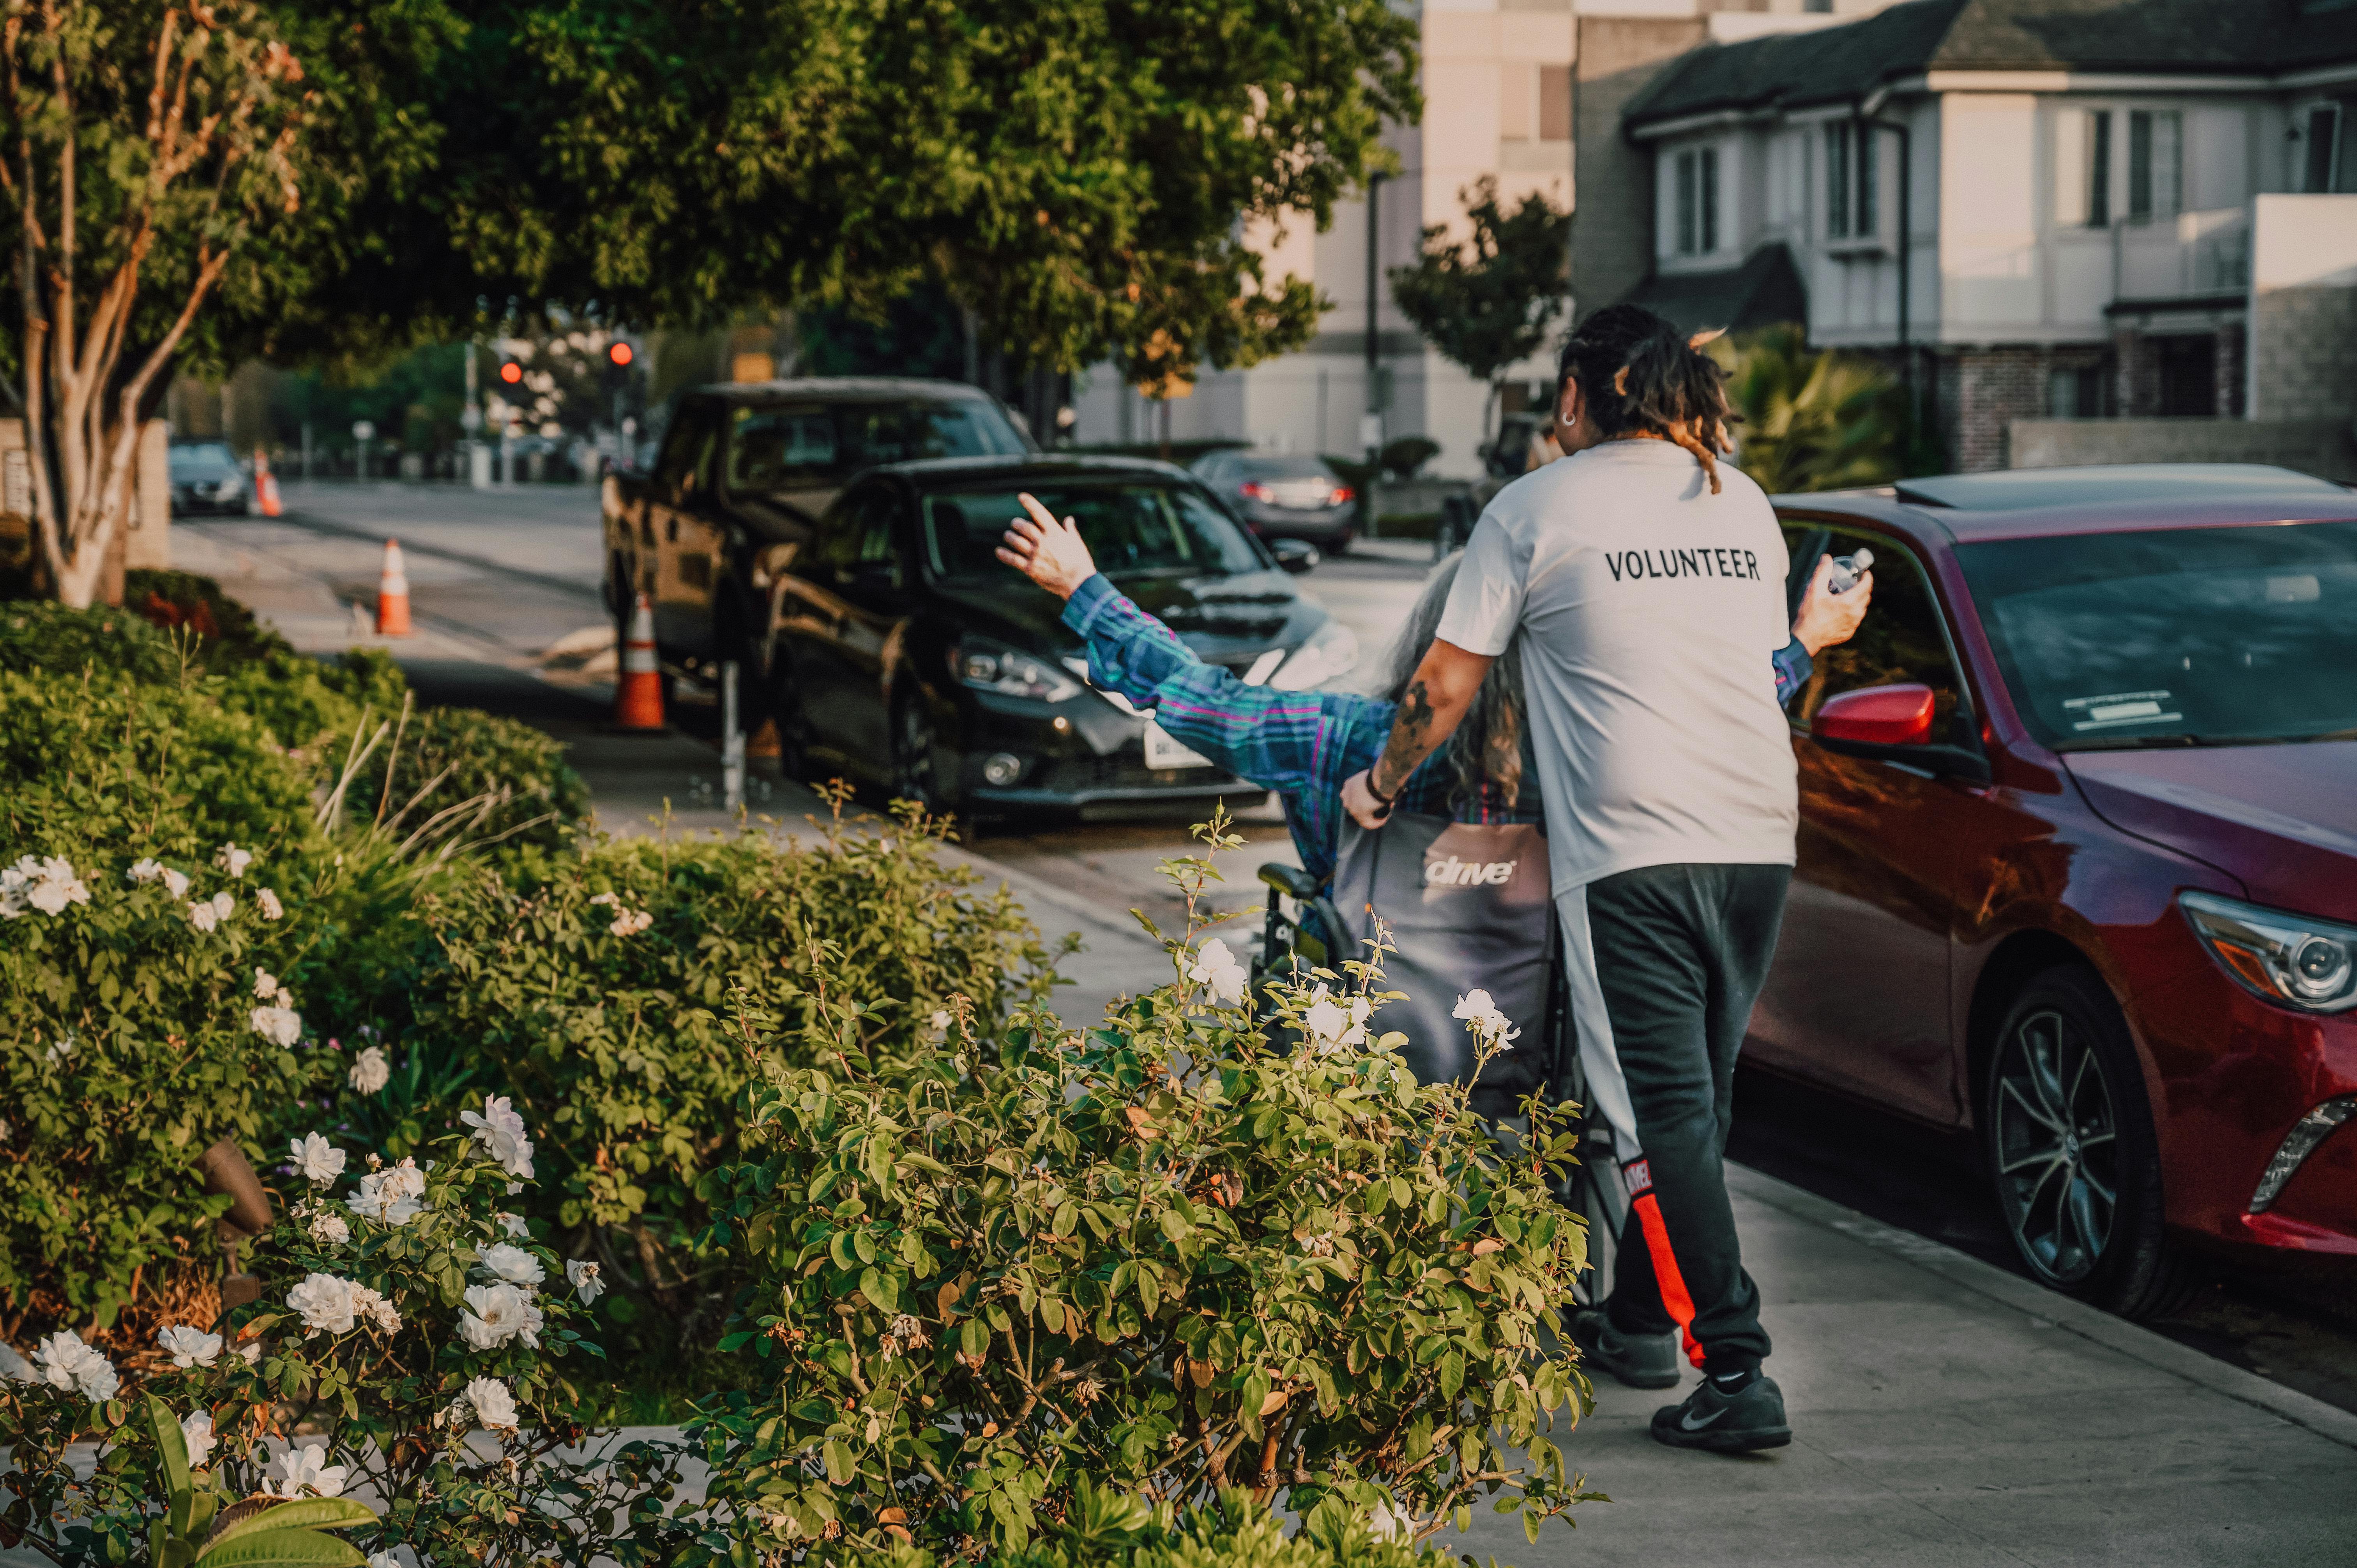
[[1285, 498]]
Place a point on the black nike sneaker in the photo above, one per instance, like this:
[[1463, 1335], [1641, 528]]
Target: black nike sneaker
[[1640, 1360], [1751, 1417]]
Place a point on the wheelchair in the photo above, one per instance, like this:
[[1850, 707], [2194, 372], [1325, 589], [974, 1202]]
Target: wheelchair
[[1302, 930]]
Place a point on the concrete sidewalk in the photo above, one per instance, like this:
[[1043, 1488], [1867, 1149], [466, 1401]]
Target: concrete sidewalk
[[1945, 1412]]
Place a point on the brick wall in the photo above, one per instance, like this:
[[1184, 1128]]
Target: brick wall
[[2304, 360], [1983, 392], [1612, 182]]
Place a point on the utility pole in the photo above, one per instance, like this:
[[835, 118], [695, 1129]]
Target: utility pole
[[471, 419]]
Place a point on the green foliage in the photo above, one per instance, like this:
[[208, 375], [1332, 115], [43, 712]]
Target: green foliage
[[600, 984], [131, 1043], [1112, 1531], [1156, 1259], [1489, 301], [1403, 458], [490, 780], [418, 1345], [224, 631], [1826, 421]]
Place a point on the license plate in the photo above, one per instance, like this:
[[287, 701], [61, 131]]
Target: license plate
[[1161, 751]]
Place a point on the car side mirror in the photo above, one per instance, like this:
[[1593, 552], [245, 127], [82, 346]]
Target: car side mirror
[[1893, 724], [1876, 715], [1295, 555]]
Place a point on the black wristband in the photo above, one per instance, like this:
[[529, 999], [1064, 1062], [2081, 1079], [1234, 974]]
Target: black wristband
[[1386, 801]]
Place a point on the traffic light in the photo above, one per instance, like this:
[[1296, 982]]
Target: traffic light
[[511, 373], [620, 353]]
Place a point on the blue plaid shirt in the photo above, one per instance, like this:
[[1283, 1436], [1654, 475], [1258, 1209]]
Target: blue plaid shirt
[[1302, 745]]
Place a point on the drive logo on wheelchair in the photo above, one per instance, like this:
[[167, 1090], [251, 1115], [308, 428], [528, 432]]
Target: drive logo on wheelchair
[[1451, 872]]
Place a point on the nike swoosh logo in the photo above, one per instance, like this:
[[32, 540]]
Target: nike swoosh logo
[[1688, 1424]]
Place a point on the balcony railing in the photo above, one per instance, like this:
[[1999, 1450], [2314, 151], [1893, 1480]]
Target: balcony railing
[[2200, 252]]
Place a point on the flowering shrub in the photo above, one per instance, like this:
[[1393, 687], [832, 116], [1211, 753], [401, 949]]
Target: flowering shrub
[[412, 1345], [147, 1020], [600, 984], [1158, 1256], [508, 782]]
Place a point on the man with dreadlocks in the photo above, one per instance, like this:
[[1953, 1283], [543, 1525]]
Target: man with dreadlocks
[[1640, 579]]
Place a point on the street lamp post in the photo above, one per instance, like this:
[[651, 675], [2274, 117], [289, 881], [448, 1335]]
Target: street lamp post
[[1371, 424], [470, 418]]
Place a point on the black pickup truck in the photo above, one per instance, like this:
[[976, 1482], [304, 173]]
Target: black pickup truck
[[749, 466]]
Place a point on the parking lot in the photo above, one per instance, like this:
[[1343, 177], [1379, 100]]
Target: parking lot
[[499, 578]]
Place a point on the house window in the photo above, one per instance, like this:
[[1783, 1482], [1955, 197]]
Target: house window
[[2099, 170], [2085, 393], [2320, 131], [1555, 103], [1697, 198], [1838, 149], [2156, 156], [1852, 204], [2188, 376]]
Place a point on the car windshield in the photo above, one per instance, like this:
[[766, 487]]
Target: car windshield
[[209, 461], [1130, 530], [807, 445], [2213, 635]]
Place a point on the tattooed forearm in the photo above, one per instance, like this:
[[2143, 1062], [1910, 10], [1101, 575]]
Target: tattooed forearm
[[1411, 741]]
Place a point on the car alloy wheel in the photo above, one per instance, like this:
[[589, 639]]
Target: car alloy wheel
[[914, 775], [2057, 1138], [2072, 1151]]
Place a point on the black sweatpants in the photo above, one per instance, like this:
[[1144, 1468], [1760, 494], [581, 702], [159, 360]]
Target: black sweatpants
[[1664, 962]]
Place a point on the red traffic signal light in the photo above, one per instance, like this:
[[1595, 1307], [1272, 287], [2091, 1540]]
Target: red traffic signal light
[[511, 373], [620, 353]]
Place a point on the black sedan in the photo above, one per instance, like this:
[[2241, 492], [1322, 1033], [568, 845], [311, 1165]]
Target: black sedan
[[1285, 498], [902, 651]]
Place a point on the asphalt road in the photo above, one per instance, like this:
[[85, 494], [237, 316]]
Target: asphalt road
[[500, 577]]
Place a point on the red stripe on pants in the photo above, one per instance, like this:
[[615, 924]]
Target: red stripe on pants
[[1674, 1299]]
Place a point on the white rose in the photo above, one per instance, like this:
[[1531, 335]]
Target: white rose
[[368, 1304], [203, 916], [495, 1315], [324, 1302], [63, 1361], [234, 860], [500, 1130], [327, 1228], [145, 870], [197, 1432], [271, 907], [305, 1468], [1216, 966], [176, 882], [514, 1225], [494, 1406], [512, 1264], [369, 1071], [189, 1347], [266, 985], [585, 1279], [1333, 1026], [315, 1158]]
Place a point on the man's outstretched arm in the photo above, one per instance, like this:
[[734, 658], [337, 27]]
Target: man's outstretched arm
[[1429, 712]]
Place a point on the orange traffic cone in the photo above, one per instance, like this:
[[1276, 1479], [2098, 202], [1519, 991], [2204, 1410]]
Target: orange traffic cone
[[265, 483], [393, 594], [637, 699]]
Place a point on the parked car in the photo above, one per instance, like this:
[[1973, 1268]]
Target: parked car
[[901, 650], [2078, 855], [1506, 458], [1284, 497], [746, 466], [207, 477]]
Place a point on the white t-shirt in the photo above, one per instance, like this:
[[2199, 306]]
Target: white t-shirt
[[1648, 606]]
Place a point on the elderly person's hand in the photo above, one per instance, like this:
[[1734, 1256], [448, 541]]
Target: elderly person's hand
[[1051, 554], [1827, 619]]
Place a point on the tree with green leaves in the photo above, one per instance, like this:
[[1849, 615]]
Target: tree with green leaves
[[1488, 302], [1824, 421], [175, 173]]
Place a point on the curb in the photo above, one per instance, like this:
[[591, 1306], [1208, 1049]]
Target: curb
[[2052, 1308]]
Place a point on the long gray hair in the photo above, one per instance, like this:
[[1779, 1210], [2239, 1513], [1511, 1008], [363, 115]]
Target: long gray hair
[[1488, 745]]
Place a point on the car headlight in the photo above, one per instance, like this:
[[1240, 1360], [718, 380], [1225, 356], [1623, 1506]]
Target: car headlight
[[2294, 959], [228, 488], [1332, 650], [990, 666]]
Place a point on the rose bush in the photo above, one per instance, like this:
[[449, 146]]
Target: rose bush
[[416, 1345], [601, 984], [1158, 1258]]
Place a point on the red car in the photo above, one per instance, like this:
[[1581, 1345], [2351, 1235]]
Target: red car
[[2078, 855]]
